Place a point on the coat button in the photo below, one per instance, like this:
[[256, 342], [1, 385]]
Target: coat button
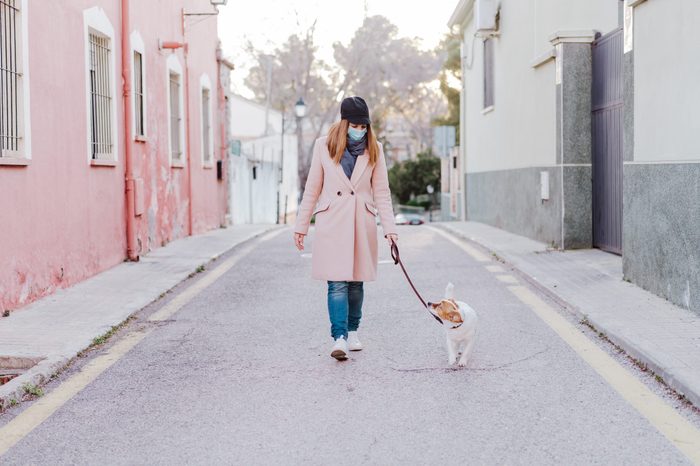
[[339, 193], [352, 192]]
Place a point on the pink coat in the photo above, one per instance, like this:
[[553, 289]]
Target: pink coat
[[345, 239]]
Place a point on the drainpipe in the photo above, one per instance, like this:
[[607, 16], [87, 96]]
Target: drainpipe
[[187, 124], [131, 252]]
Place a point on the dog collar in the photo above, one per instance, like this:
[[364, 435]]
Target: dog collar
[[456, 326]]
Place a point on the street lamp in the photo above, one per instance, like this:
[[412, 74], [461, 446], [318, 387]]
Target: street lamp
[[281, 172], [300, 108], [300, 112]]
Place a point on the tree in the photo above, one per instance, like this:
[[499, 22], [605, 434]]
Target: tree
[[392, 73], [412, 177], [291, 71], [450, 78]]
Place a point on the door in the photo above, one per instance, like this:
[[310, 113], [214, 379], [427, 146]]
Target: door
[[606, 123]]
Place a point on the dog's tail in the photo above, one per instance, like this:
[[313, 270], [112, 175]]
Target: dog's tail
[[450, 291]]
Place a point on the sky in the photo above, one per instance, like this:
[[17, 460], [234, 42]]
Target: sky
[[268, 23]]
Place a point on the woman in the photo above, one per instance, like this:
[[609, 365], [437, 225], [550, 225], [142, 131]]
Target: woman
[[348, 179]]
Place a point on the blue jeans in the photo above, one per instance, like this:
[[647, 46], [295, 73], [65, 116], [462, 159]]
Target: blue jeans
[[344, 307]]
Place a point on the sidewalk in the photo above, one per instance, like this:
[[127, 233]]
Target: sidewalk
[[55, 329], [589, 282]]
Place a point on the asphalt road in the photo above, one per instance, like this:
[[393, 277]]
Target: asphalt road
[[242, 375]]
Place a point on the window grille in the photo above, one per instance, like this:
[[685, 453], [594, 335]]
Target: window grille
[[138, 94], [10, 78], [100, 97], [488, 73], [205, 126], [175, 117]]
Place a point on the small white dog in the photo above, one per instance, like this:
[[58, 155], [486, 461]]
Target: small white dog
[[459, 321]]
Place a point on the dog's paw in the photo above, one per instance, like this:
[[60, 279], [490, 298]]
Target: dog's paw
[[451, 361], [462, 363]]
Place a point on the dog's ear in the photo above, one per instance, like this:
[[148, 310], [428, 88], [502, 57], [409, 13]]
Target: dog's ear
[[456, 317], [439, 309]]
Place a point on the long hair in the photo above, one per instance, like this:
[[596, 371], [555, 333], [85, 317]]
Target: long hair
[[337, 141]]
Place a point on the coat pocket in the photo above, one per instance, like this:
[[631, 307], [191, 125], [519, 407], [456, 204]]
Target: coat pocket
[[321, 207], [371, 208]]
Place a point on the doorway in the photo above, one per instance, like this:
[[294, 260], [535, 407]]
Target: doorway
[[607, 108]]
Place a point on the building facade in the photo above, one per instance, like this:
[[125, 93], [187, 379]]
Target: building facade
[[264, 180], [661, 167], [111, 130], [576, 130]]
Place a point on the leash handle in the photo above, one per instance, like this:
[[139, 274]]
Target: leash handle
[[397, 260], [394, 251]]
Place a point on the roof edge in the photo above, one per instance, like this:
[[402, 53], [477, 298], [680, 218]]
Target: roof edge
[[460, 13]]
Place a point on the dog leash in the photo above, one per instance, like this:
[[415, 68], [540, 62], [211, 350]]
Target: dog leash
[[397, 260]]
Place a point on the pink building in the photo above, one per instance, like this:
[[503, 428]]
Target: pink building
[[112, 132]]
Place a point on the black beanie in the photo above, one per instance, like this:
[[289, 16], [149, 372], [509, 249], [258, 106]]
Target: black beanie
[[354, 109]]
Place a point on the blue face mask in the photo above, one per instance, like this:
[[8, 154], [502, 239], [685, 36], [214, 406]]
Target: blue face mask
[[356, 134]]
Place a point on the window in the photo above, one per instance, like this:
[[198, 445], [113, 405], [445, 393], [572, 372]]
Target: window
[[206, 118], [175, 118], [139, 87], [175, 106], [13, 83], [206, 127], [488, 73], [139, 129], [101, 96], [101, 146]]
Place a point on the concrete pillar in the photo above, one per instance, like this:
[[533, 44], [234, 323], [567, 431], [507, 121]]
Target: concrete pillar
[[574, 139]]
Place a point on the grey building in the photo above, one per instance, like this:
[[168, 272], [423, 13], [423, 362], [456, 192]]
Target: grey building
[[577, 129]]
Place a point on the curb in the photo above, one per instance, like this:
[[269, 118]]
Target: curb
[[13, 391], [49, 366], [630, 348]]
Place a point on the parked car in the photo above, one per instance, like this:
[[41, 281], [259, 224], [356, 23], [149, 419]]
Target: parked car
[[409, 219]]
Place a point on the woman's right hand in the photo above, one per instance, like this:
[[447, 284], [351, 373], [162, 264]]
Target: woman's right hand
[[299, 241]]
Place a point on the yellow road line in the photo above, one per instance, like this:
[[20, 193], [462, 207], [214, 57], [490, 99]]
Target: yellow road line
[[494, 268], [29, 419], [681, 433], [511, 280], [42, 409], [472, 251]]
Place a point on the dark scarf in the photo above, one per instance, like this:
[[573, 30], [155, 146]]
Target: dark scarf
[[353, 150]]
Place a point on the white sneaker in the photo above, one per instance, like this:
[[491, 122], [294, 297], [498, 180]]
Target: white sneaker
[[340, 349], [354, 342]]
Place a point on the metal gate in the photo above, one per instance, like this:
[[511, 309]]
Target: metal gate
[[606, 122]]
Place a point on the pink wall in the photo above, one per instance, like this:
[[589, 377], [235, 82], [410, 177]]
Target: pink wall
[[65, 220]]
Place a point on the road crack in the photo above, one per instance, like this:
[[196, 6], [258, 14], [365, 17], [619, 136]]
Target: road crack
[[474, 369]]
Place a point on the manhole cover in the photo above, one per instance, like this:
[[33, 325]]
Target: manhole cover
[[14, 366], [4, 378]]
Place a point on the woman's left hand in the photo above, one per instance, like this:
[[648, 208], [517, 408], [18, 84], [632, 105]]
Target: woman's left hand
[[391, 236]]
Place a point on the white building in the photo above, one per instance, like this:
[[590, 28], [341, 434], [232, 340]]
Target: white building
[[263, 164], [578, 129]]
